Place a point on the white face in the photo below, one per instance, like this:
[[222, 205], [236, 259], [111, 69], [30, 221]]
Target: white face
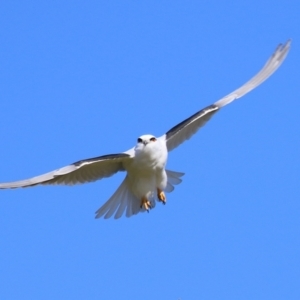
[[151, 151], [146, 139]]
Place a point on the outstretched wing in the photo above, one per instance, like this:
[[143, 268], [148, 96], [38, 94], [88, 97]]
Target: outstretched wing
[[82, 171], [184, 130]]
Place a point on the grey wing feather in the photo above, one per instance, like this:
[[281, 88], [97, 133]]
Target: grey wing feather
[[87, 170], [184, 130], [269, 68]]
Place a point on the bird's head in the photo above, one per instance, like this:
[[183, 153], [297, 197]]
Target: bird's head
[[146, 139], [147, 144]]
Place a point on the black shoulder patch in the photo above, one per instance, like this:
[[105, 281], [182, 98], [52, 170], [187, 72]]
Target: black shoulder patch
[[101, 158], [197, 115]]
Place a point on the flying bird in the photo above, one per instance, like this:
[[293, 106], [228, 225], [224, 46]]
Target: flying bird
[[147, 178]]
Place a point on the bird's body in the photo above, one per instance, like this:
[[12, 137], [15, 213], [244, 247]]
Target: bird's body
[[147, 178], [147, 170]]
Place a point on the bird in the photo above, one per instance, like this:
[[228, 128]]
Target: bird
[[147, 179]]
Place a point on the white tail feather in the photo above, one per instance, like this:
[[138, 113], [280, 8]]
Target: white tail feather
[[173, 179], [123, 200]]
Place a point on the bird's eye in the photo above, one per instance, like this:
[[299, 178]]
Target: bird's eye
[[153, 139], [139, 140]]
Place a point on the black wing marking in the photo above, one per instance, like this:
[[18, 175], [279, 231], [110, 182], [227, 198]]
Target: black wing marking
[[82, 171], [188, 127], [184, 130]]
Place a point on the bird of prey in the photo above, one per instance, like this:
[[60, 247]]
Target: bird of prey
[[146, 180]]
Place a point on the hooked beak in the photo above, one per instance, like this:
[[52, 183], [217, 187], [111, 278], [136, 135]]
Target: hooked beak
[[145, 143]]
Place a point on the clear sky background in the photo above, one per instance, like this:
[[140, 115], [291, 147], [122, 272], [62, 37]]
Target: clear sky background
[[85, 78]]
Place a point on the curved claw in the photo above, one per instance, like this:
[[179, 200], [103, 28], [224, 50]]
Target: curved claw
[[146, 204], [161, 196]]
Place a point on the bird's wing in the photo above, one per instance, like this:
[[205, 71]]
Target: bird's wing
[[82, 171], [184, 130]]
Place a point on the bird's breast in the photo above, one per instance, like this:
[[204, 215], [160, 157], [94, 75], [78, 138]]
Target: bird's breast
[[149, 158]]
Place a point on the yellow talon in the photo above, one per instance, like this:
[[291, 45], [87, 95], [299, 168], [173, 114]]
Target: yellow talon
[[161, 196], [146, 204]]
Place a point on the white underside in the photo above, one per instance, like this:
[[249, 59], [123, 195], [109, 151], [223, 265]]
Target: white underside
[[145, 175], [125, 201]]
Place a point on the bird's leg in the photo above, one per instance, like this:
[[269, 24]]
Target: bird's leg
[[145, 203], [161, 196]]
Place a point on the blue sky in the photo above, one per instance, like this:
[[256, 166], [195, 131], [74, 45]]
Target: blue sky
[[86, 78]]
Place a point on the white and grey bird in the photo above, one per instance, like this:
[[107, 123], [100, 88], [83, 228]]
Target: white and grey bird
[[147, 179]]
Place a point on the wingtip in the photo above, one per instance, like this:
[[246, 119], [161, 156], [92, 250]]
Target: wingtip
[[288, 42], [283, 49], [272, 64]]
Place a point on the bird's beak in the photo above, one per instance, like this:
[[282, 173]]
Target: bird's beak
[[145, 143]]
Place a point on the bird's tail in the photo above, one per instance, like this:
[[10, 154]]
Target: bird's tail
[[123, 199], [173, 179]]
